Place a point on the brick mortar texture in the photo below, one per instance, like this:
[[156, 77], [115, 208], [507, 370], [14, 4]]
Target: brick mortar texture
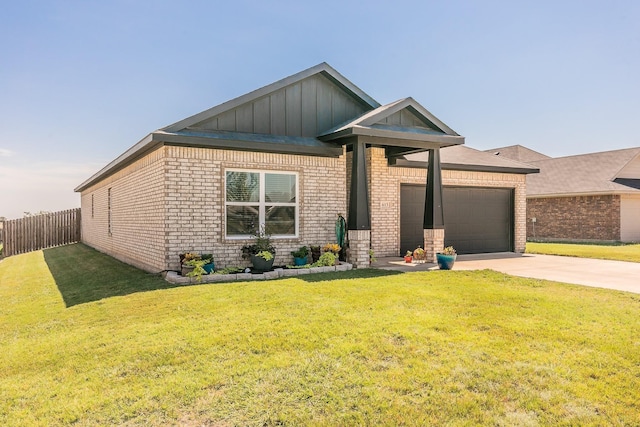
[[172, 201], [137, 213], [384, 192], [574, 218]]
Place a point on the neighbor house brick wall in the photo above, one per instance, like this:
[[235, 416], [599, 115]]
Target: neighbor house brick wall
[[384, 192], [137, 213], [574, 218]]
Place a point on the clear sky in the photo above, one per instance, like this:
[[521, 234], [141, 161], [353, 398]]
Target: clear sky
[[82, 81]]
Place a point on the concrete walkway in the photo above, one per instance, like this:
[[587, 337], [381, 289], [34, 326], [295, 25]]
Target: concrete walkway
[[619, 275]]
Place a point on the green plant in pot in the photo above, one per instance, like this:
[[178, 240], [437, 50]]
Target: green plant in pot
[[198, 268], [300, 256], [256, 251], [446, 258], [408, 257], [262, 261]]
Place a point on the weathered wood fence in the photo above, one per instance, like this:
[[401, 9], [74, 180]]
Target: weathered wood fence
[[42, 231]]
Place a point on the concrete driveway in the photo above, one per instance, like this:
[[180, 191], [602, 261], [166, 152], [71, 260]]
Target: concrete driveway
[[620, 275]]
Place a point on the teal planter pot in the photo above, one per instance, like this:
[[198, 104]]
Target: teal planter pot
[[300, 261], [445, 262], [209, 267]]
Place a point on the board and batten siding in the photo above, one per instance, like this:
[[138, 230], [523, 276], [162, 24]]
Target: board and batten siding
[[303, 109]]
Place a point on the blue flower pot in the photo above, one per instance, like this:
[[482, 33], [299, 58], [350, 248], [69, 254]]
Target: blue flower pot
[[445, 262], [299, 260], [209, 267]]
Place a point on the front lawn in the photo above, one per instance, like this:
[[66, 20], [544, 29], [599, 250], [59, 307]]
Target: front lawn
[[612, 252], [427, 348]]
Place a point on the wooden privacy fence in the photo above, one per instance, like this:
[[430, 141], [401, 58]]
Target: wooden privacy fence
[[42, 231]]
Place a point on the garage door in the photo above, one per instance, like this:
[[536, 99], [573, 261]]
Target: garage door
[[477, 220]]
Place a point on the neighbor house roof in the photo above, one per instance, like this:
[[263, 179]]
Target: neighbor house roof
[[519, 153], [460, 157], [608, 172]]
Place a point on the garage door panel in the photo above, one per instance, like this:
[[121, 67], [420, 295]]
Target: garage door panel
[[477, 219]]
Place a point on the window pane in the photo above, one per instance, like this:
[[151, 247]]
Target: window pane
[[242, 220], [281, 220], [243, 187], [280, 188]]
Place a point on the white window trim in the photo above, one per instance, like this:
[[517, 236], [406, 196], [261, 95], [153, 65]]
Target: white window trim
[[261, 203]]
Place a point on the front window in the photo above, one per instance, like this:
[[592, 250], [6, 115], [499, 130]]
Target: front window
[[256, 199]]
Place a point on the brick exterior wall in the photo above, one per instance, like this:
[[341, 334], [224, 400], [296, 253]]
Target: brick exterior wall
[[172, 201], [574, 218], [384, 193]]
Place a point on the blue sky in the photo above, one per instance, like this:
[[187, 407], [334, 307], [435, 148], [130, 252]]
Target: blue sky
[[82, 81]]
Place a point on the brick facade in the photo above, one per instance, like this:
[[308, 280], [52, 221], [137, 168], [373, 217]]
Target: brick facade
[[384, 190], [574, 218], [172, 201]]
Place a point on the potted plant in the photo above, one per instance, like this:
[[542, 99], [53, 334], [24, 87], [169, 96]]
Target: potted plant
[[332, 247], [315, 253], [261, 244], [209, 265], [185, 265], [408, 257], [300, 256], [262, 261], [197, 268], [419, 255], [446, 258]]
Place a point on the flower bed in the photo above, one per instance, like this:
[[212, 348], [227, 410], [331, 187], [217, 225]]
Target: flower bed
[[174, 277]]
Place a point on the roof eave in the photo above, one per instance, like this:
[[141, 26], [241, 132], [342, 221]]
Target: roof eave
[[143, 146], [397, 162], [581, 194], [320, 149], [442, 140], [159, 138]]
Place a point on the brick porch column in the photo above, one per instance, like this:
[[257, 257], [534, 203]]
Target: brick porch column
[[359, 244], [433, 243]]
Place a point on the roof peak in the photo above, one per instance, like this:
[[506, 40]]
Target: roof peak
[[322, 68]]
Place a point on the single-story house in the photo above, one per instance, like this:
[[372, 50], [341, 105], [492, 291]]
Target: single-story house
[[587, 197], [290, 157]]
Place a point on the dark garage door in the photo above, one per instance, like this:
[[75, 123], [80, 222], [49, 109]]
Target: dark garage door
[[477, 220]]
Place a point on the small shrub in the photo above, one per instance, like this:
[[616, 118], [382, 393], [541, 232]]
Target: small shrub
[[327, 259]]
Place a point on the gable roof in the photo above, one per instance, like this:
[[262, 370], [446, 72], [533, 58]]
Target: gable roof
[[605, 172], [327, 95], [462, 157], [404, 119], [519, 153], [287, 116]]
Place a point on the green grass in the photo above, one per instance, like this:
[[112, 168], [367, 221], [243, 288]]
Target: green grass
[[428, 348], [612, 252]]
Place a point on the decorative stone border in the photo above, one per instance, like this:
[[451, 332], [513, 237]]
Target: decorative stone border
[[175, 278]]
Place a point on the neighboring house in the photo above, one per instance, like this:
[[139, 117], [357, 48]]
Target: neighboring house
[[581, 198], [291, 156]]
